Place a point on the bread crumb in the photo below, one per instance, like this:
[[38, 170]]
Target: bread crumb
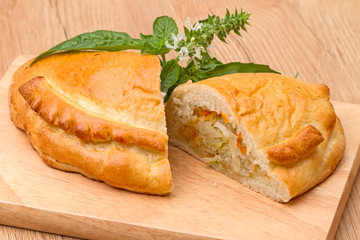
[[215, 184]]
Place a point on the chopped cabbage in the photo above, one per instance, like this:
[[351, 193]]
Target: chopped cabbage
[[216, 143], [231, 136], [205, 128]]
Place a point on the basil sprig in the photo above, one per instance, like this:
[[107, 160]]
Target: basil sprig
[[154, 44], [192, 46], [172, 74]]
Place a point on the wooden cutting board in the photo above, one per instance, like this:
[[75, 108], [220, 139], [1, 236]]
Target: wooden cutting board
[[203, 205]]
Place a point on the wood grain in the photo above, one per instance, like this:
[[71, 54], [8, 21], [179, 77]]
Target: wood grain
[[318, 39], [67, 203]]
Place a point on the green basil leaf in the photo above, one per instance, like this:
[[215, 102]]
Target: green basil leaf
[[151, 43], [169, 75], [183, 78], [186, 32], [146, 37], [208, 63], [154, 48], [209, 19], [163, 27], [101, 40], [237, 67]]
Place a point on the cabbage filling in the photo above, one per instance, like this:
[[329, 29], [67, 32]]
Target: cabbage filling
[[213, 138]]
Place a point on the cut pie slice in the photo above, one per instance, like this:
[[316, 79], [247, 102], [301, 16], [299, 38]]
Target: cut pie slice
[[275, 134], [97, 113]]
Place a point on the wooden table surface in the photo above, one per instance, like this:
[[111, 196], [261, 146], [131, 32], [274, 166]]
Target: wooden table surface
[[318, 39]]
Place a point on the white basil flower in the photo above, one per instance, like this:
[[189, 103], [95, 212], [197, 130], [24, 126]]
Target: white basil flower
[[168, 45], [184, 52], [176, 39], [198, 51], [196, 63], [196, 27]]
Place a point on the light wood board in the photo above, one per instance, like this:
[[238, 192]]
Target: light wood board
[[204, 204]]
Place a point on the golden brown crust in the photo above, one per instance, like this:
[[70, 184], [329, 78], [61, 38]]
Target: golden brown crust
[[117, 167], [299, 146], [314, 169], [291, 121], [93, 96], [108, 162], [274, 107], [54, 110], [122, 87]]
